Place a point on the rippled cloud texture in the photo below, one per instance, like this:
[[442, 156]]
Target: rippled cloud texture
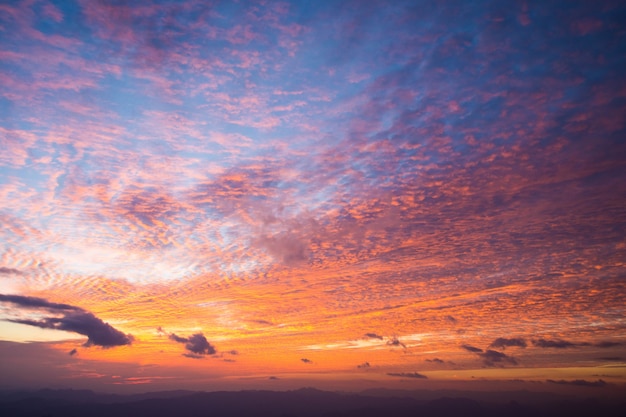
[[315, 186]]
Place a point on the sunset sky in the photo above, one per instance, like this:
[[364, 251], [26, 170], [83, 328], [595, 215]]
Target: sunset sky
[[340, 194]]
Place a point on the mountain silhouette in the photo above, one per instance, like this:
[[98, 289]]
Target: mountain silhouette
[[306, 402]]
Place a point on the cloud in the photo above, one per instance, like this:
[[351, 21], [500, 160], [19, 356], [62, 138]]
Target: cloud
[[288, 247], [607, 344], [10, 271], [305, 360], [556, 343], [611, 359], [73, 319], [502, 342], [178, 338], [394, 341], [196, 344], [98, 332], [408, 375], [473, 181], [192, 356], [268, 323], [35, 302], [364, 365], [490, 357], [373, 336], [471, 348], [579, 382]]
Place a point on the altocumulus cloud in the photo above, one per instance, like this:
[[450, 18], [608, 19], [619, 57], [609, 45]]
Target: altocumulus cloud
[[69, 318]]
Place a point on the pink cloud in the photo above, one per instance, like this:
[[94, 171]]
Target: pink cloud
[[51, 11]]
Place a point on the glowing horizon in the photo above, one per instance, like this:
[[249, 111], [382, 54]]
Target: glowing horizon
[[364, 194]]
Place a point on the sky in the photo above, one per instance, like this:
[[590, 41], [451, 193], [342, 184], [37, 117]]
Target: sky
[[340, 194]]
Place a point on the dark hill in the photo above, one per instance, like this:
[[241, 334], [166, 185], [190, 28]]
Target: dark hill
[[299, 403]]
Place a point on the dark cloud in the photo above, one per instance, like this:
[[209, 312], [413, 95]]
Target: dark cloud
[[579, 382], [394, 341], [273, 378], [10, 271], [196, 344], [408, 375], [436, 360], [178, 339], [471, 348], [364, 365], [611, 359], [35, 302], [192, 356], [451, 319], [373, 336], [73, 319], [305, 360], [72, 352], [607, 344], [556, 343], [491, 357], [502, 342], [98, 332]]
